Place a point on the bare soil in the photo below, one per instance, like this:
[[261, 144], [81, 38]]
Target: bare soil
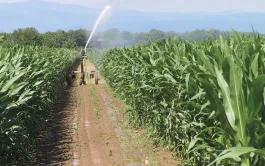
[[88, 127], [54, 143]]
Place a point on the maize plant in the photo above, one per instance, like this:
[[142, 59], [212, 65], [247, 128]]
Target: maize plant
[[205, 100], [31, 80], [95, 56]]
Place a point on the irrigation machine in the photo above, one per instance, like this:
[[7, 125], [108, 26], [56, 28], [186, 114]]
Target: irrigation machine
[[93, 74]]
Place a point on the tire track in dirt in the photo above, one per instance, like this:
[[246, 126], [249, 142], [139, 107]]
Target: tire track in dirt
[[96, 142], [136, 148], [87, 151], [88, 127]]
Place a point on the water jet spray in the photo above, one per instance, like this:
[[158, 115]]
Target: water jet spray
[[100, 18]]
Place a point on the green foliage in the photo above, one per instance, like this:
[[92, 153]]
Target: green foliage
[[78, 37], [28, 36], [205, 100], [69, 44], [58, 39], [31, 79], [108, 39], [49, 40], [237, 73], [96, 56]]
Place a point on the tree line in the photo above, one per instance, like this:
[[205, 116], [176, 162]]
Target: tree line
[[107, 39]]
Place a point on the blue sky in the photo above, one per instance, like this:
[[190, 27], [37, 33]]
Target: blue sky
[[180, 6]]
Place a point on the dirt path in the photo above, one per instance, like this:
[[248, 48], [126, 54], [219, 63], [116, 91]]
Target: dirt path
[[96, 142], [135, 146], [88, 128], [54, 143]]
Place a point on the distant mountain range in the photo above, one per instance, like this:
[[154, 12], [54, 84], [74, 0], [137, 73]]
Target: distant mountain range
[[46, 16]]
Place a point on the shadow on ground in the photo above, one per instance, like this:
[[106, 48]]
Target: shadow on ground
[[54, 142]]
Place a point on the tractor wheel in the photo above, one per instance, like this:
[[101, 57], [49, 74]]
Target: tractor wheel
[[96, 80]]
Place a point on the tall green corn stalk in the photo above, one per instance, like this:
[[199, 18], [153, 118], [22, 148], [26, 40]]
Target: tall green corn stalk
[[232, 75], [31, 79], [96, 56], [163, 96], [205, 99]]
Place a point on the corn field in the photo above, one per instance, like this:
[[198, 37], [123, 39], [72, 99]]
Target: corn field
[[31, 79], [204, 100]]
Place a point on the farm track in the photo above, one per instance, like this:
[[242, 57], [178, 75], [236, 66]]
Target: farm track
[[88, 128], [96, 142]]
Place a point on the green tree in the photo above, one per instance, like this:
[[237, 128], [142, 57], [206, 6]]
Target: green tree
[[27, 36], [60, 38], [78, 37], [1, 38], [128, 38], [69, 44], [156, 35], [49, 39]]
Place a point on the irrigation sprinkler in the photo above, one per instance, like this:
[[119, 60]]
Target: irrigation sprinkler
[[83, 51], [82, 78], [97, 78], [93, 73], [100, 18]]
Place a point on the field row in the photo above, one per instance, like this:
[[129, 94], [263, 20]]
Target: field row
[[31, 79], [205, 100]]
